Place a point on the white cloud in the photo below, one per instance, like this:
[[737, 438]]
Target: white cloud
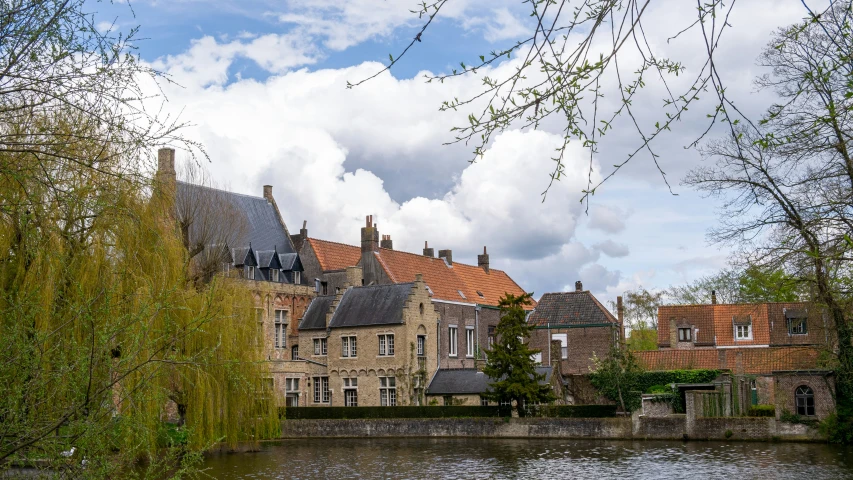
[[613, 249], [607, 219]]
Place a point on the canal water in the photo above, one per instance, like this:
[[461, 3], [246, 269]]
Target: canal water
[[447, 458]]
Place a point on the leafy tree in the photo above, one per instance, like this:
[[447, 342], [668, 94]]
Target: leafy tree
[[617, 375], [752, 284], [756, 285], [510, 362], [640, 310], [724, 284]]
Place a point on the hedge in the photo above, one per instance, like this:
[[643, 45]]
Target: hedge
[[647, 381], [577, 411], [447, 411], [762, 411]]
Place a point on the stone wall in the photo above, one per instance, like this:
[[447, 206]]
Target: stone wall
[[821, 383], [582, 345]]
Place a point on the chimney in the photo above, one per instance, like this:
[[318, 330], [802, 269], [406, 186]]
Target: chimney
[[298, 240], [447, 255], [354, 277], [713, 297], [578, 286], [387, 242], [483, 260], [369, 236], [428, 252], [620, 314], [166, 179], [268, 192]]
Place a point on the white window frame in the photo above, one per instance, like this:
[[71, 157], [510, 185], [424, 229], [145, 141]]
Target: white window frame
[[738, 330], [564, 343], [280, 327], [388, 391], [453, 340], [349, 346], [321, 346], [273, 275], [250, 272], [801, 327], [321, 390], [350, 385], [689, 334], [421, 344], [297, 277], [386, 345], [469, 342]]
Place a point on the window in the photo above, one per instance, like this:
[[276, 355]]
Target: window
[[685, 334], [324, 287], [743, 332], [564, 344], [348, 347], [421, 345], [250, 272], [797, 326], [462, 294], [321, 389], [805, 400], [491, 332], [350, 389], [480, 294], [448, 400], [291, 385], [484, 402], [297, 278], [452, 339], [320, 346], [274, 275], [280, 329], [291, 392], [294, 352], [469, 341], [386, 345], [387, 391]]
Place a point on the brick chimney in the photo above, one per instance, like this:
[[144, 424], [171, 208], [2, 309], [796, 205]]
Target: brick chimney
[[447, 255], [428, 252], [354, 277], [578, 286], [483, 260], [369, 236], [268, 192], [166, 179], [713, 297], [387, 242], [620, 314], [298, 240]]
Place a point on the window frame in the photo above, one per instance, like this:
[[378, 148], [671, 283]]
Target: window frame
[[320, 388], [297, 277], [250, 272], [421, 345], [564, 344], [388, 391], [386, 345], [453, 341], [804, 401], [280, 329], [685, 338], [802, 324], [274, 275], [738, 327], [321, 347], [469, 342], [349, 346]]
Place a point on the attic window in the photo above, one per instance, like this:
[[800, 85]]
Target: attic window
[[274, 275], [480, 294], [429, 290], [461, 294]]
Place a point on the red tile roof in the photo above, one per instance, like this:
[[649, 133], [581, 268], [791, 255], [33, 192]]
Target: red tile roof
[[737, 360], [333, 255]]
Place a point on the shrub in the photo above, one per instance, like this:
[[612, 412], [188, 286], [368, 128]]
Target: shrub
[[577, 411], [762, 411], [455, 411]]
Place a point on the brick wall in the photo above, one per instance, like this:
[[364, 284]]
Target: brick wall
[[821, 383], [582, 345]]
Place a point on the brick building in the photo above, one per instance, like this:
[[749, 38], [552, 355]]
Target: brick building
[[582, 325]]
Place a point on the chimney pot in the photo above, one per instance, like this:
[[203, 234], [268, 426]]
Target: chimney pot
[[578, 286], [370, 236], [428, 252], [268, 192], [447, 255], [483, 260], [387, 242], [713, 297]]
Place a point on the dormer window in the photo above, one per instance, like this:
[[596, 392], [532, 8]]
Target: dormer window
[[250, 272], [480, 294], [742, 327], [297, 278], [461, 294], [274, 275], [685, 334]]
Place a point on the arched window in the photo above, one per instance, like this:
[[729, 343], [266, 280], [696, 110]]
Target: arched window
[[294, 352], [805, 400]]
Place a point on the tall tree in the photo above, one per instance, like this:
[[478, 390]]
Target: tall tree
[[510, 362], [641, 317], [787, 182], [616, 375]]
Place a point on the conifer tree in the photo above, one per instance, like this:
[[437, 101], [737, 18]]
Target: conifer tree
[[510, 362]]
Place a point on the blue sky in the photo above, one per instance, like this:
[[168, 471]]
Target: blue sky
[[263, 85]]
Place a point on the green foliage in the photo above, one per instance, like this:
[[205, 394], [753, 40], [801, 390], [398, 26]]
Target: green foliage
[[787, 416], [510, 362], [577, 411], [761, 411], [643, 339], [835, 430], [444, 411], [756, 285], [729, 434], [616, 377], [652, 382]]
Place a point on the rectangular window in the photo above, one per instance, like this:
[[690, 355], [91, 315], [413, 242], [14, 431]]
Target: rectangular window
[[324, 287], [321, 389], [291, 385], [250, 272], [280, 329], [386, 345], [564, 344], [421, 345], [491, 332], [484, 402], [297, 278], [274, 275], [350, 388], [685, 334], [797, 326], [348, 347], [451, 335], [469, 341], [743, 332], [320, 346], [387, 391]]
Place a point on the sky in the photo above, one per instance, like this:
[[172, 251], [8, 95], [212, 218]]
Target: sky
[[263, 86]]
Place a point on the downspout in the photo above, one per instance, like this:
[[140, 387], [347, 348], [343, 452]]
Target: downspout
[[438, 353], [477, 331], [549, 345]]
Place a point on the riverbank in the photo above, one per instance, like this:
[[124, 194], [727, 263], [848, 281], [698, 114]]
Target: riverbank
[[676, 427]]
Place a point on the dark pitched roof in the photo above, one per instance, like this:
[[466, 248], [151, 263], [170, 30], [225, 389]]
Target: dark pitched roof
[[239, 255], [264, 230], [372, 305], [265, 258], [315, 315], [570, 308], [468, 381], [290, 261]]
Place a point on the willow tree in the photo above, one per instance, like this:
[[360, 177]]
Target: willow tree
[[99, 322]]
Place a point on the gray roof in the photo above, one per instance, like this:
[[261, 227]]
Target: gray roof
[[315, 315], [468, 381], [372, 305], [263, 229], [265, 258], [239, 255], [289, 261], [570, 308]]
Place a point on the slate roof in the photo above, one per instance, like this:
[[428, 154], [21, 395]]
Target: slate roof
[[570, 308], [264, 258], [290, 261], [372, 305], [333, 255], [738, 360], [239, 255], [468, 381], [265, 230], [315, 315]]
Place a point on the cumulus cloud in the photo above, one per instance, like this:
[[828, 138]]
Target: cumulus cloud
[[613, 249], [607, 219]]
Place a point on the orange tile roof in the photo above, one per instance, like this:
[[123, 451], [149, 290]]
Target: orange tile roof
[[333, 255], [737, 360], [446, 282]]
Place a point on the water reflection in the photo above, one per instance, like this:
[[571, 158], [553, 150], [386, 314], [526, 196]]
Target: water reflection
[[499, 458]]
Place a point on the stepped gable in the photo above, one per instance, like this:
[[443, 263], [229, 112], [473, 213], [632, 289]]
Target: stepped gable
[[314, 317], [334, 255], [570, 308], [372, 305], [264, 230]]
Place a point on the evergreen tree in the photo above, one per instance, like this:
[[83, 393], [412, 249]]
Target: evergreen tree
[[510, 362]]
